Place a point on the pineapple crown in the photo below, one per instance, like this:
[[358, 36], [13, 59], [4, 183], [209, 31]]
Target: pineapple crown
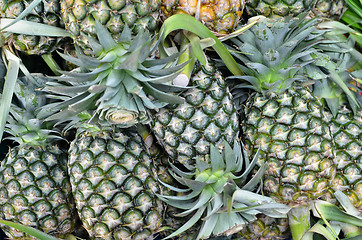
[[218, 193], [272, 50], [336, 80], [23, 124], [119, 84]]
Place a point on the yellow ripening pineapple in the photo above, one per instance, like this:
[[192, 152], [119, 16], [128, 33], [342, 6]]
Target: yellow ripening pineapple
[[220, 16]]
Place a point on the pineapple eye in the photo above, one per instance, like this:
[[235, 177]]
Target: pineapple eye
[[57, 196], [101, 229], [19, 201], [9, 211], [144, 202], [133, 218], [27, 217]]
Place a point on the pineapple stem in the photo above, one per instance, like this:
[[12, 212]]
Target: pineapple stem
[[197, 14], [299, 221], [189, 23], [184, 77]]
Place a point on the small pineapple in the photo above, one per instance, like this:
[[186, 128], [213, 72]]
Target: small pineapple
[[220, 16], [47, 12], [35, 188]]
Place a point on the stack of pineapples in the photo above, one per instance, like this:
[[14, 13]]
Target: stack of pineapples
[[198, 119]]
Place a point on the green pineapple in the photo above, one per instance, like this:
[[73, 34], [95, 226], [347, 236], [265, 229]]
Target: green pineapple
[[344, 116], [105, 98], [337, 86], [79, 17], [35, 188], [265, 228], [275, 8], [346, 128], [302, 169], [47, 12], [284, 120], [332, 9], [114, 185], [283, 8], [207, 116]]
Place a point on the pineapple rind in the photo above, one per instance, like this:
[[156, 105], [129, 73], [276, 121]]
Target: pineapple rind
[[47, 12], [301, 160], [208, 116], [265, 228], [332, 9], [278, 8], [34, 191], [79, 17], [34, 185], [114, 186], [346, 129]]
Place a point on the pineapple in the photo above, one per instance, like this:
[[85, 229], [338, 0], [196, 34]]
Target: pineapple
[[284, 120], [111, 171], [265, 228], [80, 16], [332, 9], [47, 12], [283, 8], [343, 113], [220, 16], [346, 128], [275, 8], [207, 116], [35, 187], [113, 184], [302, 169]]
